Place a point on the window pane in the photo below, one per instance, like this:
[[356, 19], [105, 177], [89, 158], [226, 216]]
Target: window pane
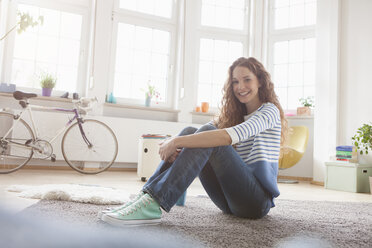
[[282, 95], [204, 93], [309, 51], [205, 72], [282, 18], [280, 75], [53, 48], [296, 51], [294, 94], [143, 59], [281, 3], [295, 77], [310, 13], [214, 62], [309, 91], [281, 52], [223, 14], [161, 8], [294, 13], [309, 73]]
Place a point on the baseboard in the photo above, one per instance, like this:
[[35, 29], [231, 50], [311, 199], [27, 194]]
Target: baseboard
[[308, 179], [45, 167], [317, 183]]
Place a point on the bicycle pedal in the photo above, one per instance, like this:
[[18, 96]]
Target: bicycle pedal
[[53, 158]]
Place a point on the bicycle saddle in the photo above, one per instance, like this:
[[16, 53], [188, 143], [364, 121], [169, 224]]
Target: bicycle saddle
[[19, 95]]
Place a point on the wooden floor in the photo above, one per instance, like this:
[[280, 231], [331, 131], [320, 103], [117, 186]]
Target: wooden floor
[[128, 180]]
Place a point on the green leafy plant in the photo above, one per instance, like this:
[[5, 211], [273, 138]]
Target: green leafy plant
[[151, 91], [307, 102], [363, 138], [47, 81], [24, 21]]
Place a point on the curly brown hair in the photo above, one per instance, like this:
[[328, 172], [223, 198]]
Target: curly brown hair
[[233, 111]]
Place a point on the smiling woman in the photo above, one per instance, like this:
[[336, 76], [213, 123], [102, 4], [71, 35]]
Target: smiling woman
[[240, 180]]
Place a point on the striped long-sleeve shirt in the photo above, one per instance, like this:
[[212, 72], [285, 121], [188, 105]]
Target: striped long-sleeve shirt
[[257, 142]]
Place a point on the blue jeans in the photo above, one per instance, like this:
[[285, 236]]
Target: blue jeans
[[228, 181]]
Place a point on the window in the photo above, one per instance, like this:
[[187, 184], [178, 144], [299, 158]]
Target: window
[[292, 49], [221, 41], [161, 8], [215, 58], [54, 47], [143, 42]]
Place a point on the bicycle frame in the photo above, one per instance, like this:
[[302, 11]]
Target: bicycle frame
[[29, 108]]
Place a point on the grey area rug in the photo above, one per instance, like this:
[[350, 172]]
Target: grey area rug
[[290, 224]]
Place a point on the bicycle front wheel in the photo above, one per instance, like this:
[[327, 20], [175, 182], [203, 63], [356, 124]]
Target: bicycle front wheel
[[14, 149], [90, 148]]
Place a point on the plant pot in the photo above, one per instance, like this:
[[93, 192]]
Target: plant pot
[[46, 91], [365, 158], [148, 101], [304, 111]]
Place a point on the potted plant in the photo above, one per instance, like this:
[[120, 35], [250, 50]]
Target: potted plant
[[47, 83], [363, 142], [150, 93], [306, 103]]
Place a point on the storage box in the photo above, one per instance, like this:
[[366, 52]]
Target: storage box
[[148, 155], [351, 177]]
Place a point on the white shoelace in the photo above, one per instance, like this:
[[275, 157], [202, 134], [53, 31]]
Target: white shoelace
[[144, 200]]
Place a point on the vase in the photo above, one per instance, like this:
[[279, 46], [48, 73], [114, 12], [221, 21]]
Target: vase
[[204, 107], [46, 91], [148, 101]]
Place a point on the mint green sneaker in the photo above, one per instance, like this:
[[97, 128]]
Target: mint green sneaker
[[112, 210], [145, 211]]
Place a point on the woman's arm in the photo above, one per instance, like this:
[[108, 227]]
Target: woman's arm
[[205, 139]]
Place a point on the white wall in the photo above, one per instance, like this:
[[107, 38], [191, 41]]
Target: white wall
[[344, 72], [355, 67], [327, 86]]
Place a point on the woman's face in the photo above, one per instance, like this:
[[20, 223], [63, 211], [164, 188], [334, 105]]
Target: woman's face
[[245, 85]]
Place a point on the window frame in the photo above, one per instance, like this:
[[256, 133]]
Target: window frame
[[80, 7], [216, 33], [285, 34], [170, 25]]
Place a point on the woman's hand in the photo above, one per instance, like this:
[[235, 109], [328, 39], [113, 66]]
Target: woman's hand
[[168, 150]]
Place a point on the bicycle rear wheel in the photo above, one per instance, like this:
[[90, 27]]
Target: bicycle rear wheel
[[94, 158], [14, 153]]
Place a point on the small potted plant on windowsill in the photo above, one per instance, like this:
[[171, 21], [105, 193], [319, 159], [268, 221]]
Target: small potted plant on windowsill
[[47, 83], [363, 142], [150, 93], [307, 104]]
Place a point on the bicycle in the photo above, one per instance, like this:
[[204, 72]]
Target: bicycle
[[88, 146]]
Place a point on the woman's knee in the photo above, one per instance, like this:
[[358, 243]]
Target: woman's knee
[[188, 130], [206, 127]]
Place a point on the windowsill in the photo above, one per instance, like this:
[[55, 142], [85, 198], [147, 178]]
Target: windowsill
[[43, 98], [118, 105], [203, 114], [300, 117]]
